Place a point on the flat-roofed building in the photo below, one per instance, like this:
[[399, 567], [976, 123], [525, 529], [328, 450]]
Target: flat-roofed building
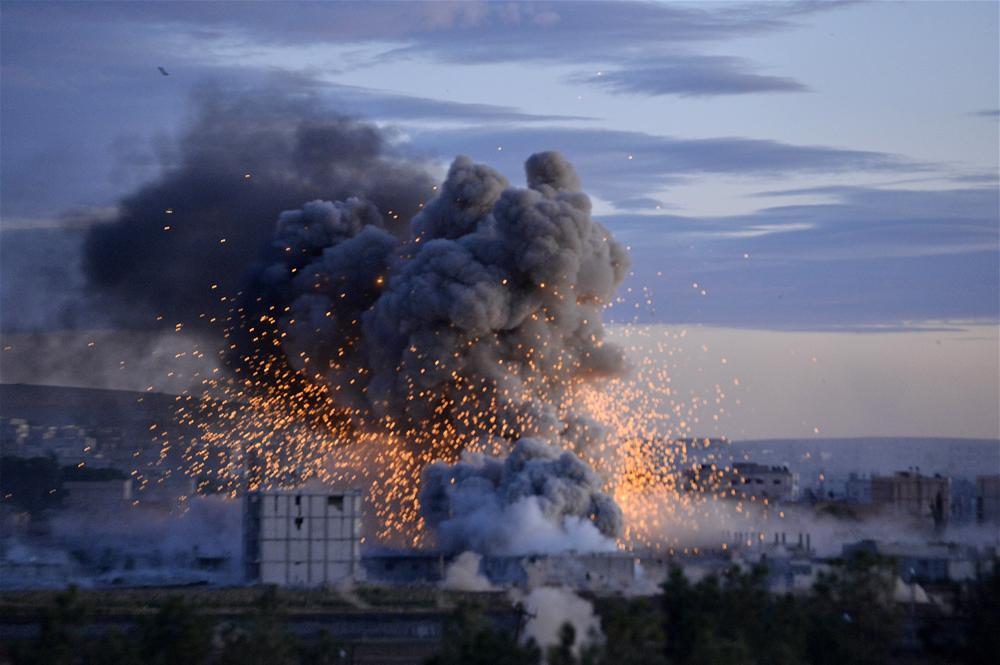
[[913, 494], [928, 562], [304, 537], [743, 480], [764, 481]]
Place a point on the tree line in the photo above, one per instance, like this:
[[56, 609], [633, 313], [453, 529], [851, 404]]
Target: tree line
[[848, 617]]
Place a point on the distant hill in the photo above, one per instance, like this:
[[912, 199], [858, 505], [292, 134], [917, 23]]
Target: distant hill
[[59, 405]]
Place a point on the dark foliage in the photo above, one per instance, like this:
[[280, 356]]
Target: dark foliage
[[470, 639], [176, 632], [848, 618]]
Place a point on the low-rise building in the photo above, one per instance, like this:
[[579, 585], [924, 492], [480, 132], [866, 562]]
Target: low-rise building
[[404, 568], [913, 494], [763, 481], [926, 562], [743, 480]]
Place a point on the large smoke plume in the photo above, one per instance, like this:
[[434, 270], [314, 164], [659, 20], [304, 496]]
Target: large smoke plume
[[470, 313], [489, 310], [242, 161]]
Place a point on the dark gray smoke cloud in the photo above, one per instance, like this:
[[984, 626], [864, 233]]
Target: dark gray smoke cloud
[[487, 312], [293, 152], [540, 499]]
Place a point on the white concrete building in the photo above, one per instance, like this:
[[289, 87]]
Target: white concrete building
[[304, 537]]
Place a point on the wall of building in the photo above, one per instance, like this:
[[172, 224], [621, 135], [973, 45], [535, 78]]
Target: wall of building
[[97, 496], [300, 538], [988, 499], [912, 493]]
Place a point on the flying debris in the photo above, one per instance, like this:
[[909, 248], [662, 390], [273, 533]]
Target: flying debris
[[163, 71]]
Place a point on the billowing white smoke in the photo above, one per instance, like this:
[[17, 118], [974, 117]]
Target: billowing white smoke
[[550, 608], [540, 499], [463, 574]]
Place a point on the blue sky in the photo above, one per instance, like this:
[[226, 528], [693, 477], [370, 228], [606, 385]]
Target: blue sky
[[849, 149], [792, 166]]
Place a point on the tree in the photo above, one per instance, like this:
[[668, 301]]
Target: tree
[[852, 614], [265, 641], [59, 641], [983, 610], [633, 629], [177, 633], [849, 617], [470, 639], [731, 619]]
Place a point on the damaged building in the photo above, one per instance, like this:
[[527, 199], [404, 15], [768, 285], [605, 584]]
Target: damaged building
[[302, 537]]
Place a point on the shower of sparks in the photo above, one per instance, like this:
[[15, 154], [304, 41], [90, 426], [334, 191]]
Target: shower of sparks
[[266, 425], [264, 419]]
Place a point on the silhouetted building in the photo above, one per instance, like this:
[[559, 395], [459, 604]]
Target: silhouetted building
[[858, 489], [988, 499]]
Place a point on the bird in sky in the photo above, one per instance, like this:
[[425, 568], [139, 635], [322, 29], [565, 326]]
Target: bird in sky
[[163, 71]]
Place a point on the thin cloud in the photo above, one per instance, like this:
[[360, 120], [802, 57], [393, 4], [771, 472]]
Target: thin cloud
[[640, 203], [602, 33], [870, 258], [689, 76]]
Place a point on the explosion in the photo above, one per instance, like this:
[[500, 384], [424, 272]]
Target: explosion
[[473, 332], [453, 361]]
